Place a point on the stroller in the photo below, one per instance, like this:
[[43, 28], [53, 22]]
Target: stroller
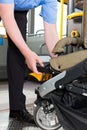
[[62, 100]]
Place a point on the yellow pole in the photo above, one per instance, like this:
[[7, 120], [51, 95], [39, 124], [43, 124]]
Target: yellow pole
[[61, 19]]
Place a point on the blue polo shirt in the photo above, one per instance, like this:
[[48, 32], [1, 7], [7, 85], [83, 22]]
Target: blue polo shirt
[[48, 7]]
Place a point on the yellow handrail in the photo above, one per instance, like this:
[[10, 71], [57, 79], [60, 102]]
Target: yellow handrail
[[75, 15], [61, 19]]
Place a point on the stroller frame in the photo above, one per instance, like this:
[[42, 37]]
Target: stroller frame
[[64, 78]]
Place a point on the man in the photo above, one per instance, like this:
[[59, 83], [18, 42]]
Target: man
[[13, 14]]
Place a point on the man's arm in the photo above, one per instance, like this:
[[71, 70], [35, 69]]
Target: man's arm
[[7, 15], [51, 36]]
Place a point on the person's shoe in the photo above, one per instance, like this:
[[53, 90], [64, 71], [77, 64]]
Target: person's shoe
[[23, 115]]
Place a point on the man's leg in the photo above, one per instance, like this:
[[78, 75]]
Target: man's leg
[[16, 67], [16, 72]]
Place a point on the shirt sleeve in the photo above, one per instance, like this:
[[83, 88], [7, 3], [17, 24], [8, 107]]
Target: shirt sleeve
[[49, 11], [7, 1]]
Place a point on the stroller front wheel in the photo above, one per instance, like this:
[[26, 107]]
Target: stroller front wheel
[[45, 116]]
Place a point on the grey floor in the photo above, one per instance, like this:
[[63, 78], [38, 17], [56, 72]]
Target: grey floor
[[10, 124]]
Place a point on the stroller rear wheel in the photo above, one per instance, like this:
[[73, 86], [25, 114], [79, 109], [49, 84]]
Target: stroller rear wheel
[[45, 116]]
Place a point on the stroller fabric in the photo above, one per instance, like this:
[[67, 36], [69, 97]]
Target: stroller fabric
[[71, 109]]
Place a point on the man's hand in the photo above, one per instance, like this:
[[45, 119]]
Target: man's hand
[[32, 60]]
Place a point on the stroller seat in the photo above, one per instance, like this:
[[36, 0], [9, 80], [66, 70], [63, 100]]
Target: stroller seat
[[66, 59]]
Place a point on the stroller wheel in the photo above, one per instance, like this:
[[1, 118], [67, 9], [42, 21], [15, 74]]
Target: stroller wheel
[[45, 116]]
